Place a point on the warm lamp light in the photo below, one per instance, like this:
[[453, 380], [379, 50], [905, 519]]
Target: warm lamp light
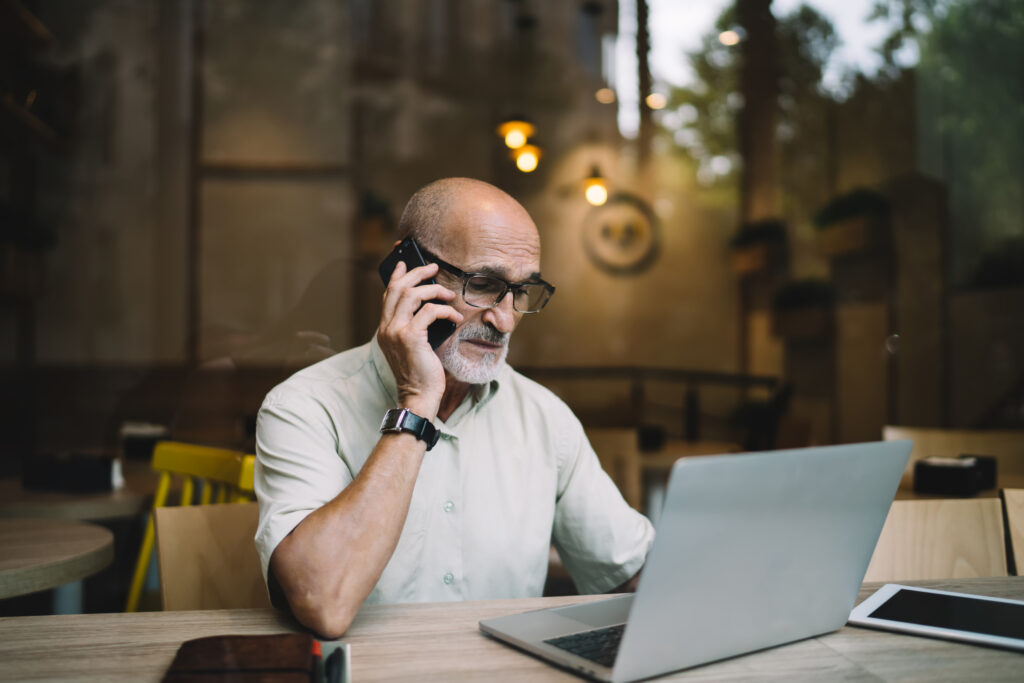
[[605, 96], [527, 157], [729, 38], [594, 188], [516, 130], [656, 100]]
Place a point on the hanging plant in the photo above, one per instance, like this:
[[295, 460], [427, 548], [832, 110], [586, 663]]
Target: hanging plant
[[853, 222], [803, 310], [758, 246]]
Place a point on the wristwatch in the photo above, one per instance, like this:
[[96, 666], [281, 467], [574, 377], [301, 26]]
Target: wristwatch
[[399, 420]]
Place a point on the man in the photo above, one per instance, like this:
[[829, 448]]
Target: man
[[350, 514]]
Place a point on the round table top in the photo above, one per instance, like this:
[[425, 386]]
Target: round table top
[[133, 499], [37, 554]]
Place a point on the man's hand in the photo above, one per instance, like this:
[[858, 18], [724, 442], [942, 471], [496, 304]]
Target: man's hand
[[402, 336]]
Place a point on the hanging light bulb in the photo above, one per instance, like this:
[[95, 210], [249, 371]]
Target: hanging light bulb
[[594, 188], [516, 130], [527, 157]]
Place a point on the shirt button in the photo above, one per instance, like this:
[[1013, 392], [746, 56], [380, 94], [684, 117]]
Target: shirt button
[[448, 578], [449, 506]]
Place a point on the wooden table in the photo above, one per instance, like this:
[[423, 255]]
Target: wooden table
[[442, 642], [1003, 481], [133, 499], [37, 554]]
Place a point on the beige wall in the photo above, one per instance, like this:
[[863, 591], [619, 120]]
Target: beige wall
[[681, 312]]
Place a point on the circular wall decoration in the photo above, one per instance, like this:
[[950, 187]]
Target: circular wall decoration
[[623, 236]]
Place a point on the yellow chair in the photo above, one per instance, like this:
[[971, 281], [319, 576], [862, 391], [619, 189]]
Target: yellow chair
[[207, 558], [1013, 500], [940, 539], [226, 476]]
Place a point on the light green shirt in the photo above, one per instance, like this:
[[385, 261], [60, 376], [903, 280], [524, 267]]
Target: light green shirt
[[512, 472]]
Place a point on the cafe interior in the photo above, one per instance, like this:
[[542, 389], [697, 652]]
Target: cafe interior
[[771, 225]]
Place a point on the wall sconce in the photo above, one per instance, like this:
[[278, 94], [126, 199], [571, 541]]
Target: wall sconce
[[594, 187], [527, 157], [516, 130]]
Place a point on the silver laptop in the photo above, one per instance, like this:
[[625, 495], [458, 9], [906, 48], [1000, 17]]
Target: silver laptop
[[752, 551]]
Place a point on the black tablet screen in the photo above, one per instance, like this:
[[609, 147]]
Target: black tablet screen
[[955, 612]]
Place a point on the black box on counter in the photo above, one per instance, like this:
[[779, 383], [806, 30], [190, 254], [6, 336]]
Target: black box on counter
[[77, 472], [962, 476]]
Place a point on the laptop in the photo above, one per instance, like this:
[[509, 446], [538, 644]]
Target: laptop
[[751, 551]]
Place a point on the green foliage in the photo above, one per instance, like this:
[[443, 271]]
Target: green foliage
[[971, 70], [770, 231], [858, 202], [810, 293], [908, 21], [702, 118]]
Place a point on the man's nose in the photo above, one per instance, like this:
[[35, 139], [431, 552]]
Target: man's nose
[[502, 316]]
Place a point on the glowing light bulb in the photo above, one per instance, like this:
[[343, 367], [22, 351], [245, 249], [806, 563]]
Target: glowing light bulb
[[729, 38], [594, 188], [527, 158], [596, 193], [605, 96], [514, 139], [656, 100], [515, 131]]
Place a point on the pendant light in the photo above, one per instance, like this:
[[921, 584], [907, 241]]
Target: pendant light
[[527, 157], [594, 187], [516, 130]]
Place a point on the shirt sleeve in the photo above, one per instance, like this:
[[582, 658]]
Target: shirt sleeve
[[602, 541], [298, 468]]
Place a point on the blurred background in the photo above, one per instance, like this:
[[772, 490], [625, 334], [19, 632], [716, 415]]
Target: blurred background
[[770, 223]]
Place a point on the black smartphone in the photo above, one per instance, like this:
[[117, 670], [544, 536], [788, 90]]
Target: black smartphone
[[409, 251]]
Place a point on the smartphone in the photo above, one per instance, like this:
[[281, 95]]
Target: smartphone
[[409, 251]]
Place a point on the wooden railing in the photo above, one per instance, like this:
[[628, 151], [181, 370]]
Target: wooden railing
[[691, 381]]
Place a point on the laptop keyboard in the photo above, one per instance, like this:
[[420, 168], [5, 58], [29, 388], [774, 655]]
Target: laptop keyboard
[[600, 645]]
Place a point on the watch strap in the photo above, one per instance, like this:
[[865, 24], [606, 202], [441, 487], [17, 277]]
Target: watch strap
[[398, 420]]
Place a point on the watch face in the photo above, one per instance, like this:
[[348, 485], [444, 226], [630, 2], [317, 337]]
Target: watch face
[[393, 420]]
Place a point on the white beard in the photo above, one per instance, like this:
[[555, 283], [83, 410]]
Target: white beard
[[480, 371]]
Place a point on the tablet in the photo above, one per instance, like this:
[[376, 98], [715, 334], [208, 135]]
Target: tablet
[[941, 614]]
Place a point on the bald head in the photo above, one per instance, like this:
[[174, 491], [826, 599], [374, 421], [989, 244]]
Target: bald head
[[435, 209]]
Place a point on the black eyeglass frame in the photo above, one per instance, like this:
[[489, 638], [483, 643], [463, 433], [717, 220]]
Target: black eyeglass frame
[[509, 286]]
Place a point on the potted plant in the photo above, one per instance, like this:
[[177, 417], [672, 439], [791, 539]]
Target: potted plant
[[854, 222], [758, 246], [803, 310]]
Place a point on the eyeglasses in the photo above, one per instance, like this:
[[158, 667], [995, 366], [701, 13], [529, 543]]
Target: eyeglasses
[[487, 291]]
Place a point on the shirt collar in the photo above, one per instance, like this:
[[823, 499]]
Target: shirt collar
[[479, 394]]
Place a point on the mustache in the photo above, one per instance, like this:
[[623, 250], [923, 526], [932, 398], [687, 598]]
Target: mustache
[[484, 332]]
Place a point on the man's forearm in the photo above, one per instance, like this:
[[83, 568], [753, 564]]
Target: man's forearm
[[332, 560]]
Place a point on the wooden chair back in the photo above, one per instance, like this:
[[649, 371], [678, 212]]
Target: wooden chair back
[[224, 475], [618, 450], [940, 539], [207, 557], [1006, 446], [1013, 502]]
